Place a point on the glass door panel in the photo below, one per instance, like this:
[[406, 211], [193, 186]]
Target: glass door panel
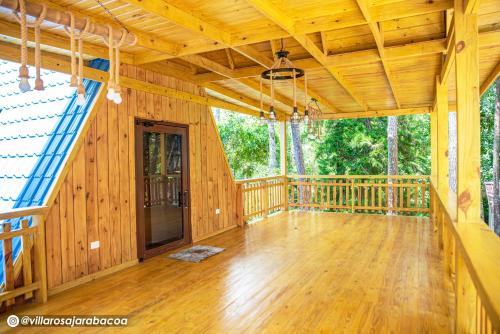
[[163, 188]]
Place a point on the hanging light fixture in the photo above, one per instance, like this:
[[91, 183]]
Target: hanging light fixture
[[314, 116], [283, 70]]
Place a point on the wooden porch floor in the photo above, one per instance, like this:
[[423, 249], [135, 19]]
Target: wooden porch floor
[[291, 273]]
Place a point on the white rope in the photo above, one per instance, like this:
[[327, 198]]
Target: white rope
[[79, 37], [24, 85], [117, 64], [38, 53], [111, 80]]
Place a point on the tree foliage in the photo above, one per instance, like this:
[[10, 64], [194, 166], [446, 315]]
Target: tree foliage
[[351, 146], [246, 144], [487, 114]]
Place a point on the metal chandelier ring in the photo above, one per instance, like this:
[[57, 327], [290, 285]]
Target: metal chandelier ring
[[298, 73]]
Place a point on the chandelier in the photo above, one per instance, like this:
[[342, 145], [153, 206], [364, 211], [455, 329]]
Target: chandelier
[[282, 70]]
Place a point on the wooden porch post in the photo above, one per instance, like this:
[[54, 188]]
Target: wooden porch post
[[434, 146], [442, 138], [468, 115], [283, 164]]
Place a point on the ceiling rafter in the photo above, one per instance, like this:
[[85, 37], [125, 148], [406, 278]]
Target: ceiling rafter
[[229, 74], [379, 41], [241, 98], [286, 23], [11, 30], [346, 19], [230, 58], [168, 69], [489, 80], [144, 40], [311, 25], [486, 39], [195, 24]]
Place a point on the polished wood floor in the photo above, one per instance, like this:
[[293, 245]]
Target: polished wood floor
[[292, 273]]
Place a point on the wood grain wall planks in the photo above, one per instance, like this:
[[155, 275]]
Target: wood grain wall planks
[[97, 200]]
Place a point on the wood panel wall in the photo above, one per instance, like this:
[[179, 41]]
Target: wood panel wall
[[97, 198]]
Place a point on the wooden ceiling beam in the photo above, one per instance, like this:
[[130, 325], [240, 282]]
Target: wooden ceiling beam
[[59, 15], [379, 113], [363, 57], [183, 19], [490, 79], [230, 59], [379, 13], [242, 98], [176, 72], [59, 63], [392, 53], [471, 6], [12, 31], [319, 24], [286, 23], [379, 41], [229, 74]]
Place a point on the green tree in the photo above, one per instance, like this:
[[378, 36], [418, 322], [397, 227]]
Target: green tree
[[246, 144]]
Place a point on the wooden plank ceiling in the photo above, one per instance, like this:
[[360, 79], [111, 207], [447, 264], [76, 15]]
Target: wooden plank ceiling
[[360, 55]]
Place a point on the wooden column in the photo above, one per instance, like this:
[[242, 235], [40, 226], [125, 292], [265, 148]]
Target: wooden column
[[434, 146], [442, 137], [283, 164], [468, 116]]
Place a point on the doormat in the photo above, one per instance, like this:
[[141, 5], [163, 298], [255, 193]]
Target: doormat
[[196, 253]]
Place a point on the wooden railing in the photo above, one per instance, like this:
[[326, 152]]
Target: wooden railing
[[261, 197], [353, 193], [356, 193], [160, 189], [30, 263], [471, 252]]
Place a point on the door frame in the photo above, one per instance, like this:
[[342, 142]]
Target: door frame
[[139, 126]]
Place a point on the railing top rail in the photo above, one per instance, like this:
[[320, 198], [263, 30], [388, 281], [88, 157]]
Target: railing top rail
[[23, 212], [259, 179], [426, 177], [481, 251]]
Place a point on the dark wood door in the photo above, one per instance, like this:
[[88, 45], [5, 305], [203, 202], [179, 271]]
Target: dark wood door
[[163, 198]]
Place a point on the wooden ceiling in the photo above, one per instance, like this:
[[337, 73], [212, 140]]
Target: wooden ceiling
[[359, 55]]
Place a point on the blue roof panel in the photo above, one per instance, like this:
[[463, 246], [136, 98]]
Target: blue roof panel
[[37, 131]]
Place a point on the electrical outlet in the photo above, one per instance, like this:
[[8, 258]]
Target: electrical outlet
[[217, 211], [94, 244]]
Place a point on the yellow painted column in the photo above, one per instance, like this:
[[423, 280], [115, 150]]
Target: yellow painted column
[[468, 116], [443, 182]]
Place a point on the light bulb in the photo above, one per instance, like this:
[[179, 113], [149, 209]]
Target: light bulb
[[24, 85], [111, 94], [80, 100], [118, 98]]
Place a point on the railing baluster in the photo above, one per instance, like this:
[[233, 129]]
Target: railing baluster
[[27, 276], [8, 263]]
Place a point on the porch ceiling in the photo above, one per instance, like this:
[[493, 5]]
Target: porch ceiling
[[294, 272], [360, 55]]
